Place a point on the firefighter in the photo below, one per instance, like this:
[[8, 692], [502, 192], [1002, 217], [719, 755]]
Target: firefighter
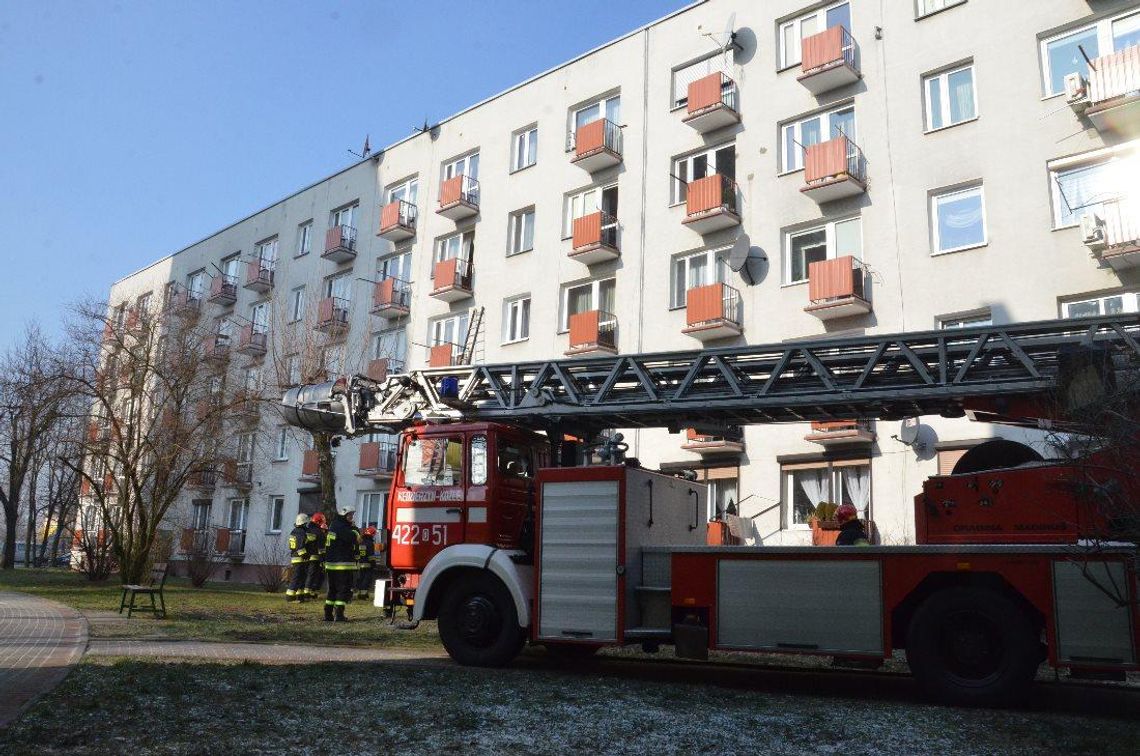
[[316, 549], [299, 540], [851, 530], [342, 549], [367, 574]]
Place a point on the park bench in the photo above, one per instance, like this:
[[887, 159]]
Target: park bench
[[152, 589]]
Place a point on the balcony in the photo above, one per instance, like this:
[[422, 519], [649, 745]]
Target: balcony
[[391, 298], [712, 104], [340, 244], [332, 316], [452, 280], [203, 480], [836, 288], [253, 340], [441, 355], [136, 322], [458, 197], [223, 290], [833, 170], [380, 368], [237, 474], [216, 349], [231, 542], [596, 145], [711, 205], [841, 433], [732, 442], [397, 221], [377, 460], [593, 332], [595, 238], [828, 61], [713, 312], [197, 540], [1114, 93], [258, 276], [310, 467], [1113, 232], [185, 303]]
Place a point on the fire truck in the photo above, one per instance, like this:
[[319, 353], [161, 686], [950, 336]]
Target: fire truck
[[509, 522]]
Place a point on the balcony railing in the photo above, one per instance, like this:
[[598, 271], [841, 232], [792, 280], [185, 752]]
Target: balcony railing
[[258, 275], [441, 355], [200, 540], [185, 302], [310, 466], [595, 238], [836, 288], [1113, 232], [253, 340], [592, 332], [833, 170], [237, 474], [233, 546], [332, 316], [712, 103], [398, 220], [451, 280], [458, 197], [730, 442], [223, 290], [597, 145], [829, 60], [377, 459], [217, 347], [340, 244], [711, 204], [713, 312], [205, 479], [1114, 92], [391, 298], [840, 432]]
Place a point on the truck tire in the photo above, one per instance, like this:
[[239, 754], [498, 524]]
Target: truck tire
[[478, 622], [972, 646]]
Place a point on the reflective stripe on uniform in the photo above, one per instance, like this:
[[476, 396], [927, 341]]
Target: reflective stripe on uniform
[[339, 566]]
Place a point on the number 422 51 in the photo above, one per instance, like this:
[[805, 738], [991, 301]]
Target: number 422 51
[[410, 534]]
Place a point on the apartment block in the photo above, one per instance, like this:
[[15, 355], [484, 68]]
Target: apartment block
[[892, 167]]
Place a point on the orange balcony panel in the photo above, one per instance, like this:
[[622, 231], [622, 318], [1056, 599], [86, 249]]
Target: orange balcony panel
[[592, 333], [223, 290], [377, 460], [391, 298], [397, 221], [441, 355], [252, 340], [597, 145], [332, 316], [594, 238], [340, 244], [1114, 93], [702, 443], [710, 204], [828, 60], [310, 466], [258, 276], [377, 369], [451, 280], [712, 103], [833, 170], [458, 197], [216, 348], [836, 289], [713, 312], [840, 433]]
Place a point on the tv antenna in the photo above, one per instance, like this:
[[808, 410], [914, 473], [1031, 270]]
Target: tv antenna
[[726, 39]]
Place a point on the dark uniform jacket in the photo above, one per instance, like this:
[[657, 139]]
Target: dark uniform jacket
[[851, 533], [342, 545], [368, 543], [314, 542], [299, 544]]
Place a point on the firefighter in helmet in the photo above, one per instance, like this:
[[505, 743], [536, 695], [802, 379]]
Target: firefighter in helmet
[[299, 540], [851, 530], [316, 549], [367, 573], [342, 549]]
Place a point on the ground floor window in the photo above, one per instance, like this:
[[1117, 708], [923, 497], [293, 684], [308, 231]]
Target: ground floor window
[[807, 485], [371, 509], [276, 513]]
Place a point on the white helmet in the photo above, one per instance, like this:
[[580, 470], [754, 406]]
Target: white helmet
[[302, 519], [346, 510]]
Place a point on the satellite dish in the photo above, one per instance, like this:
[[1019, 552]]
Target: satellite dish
[[908, 430], [725, 40], [738, 257]]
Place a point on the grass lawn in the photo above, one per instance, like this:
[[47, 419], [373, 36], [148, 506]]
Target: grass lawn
[[218, 612], [248, 708]]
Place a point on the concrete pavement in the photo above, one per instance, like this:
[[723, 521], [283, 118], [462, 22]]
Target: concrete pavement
[[40, 641]]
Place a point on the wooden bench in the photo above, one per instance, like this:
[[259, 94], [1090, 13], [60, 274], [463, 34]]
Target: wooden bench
[[152, 589]]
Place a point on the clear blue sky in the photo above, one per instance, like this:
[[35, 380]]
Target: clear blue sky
[[132, 129]]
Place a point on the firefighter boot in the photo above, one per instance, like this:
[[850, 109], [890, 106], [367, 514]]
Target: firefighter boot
[[340, 614], [329, 612]]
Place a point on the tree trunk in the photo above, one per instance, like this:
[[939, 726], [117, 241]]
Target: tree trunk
[[322, 442], [10, 518]]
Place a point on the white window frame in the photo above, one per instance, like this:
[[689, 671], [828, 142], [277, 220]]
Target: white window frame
[[371, 501], [1130, 300], [944, 97], [392, 345], [922, 8], [943, 194], [437, 329], [467, 165], [829, 241], [341, 283], [709, 64], [281, 447], [786, 58], [524, 148], [716, 267], [517, 232], [195, 284], [407, 190], [790, 165], [577, 204], [462, 248], [676, 195], [293, 369], [595, 299], [603, 106], [834, 484], [266, 251], [275, 511], [345, 215], [240, 507], [304, 238], [297, 304], [1104, 41], [397, 266], [516, 319], [246, 443], [231, 268], [259, 316], [1116, 158], [981, 318]]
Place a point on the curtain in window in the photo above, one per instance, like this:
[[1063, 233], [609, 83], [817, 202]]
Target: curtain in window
[[857, 481], [961, 86], [579, 300], [814, 485], [607, 295]]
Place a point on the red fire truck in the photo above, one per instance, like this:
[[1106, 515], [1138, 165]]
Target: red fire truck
[[507, 527]]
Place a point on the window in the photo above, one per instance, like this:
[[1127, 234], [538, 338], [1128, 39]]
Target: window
[[792, 32], [589, 201], [524, 148], [239, 515], [230, 268], [344, 216], [339, 287], [926, 7], [468, 165], [965, 321], [513, 460], [689, 168], [405, 190], [687, 74], [276, 513], [332, 357], [478, 460], [267, 253], [371, 509], [397, 266], [391, 345], [592, 295], [1061, 55], [950, 97], [450, 330], [200, 515], [297, 304], [608, 108], [281, 450], [722, 492], [460, 245], [259, 317], [1083, 184], [691, 271], [245, 448], [516, 320], [958, 219], [196, 284], [433, 462], [1109, 304], [251, 381], [293, 370], [142, 304], [826, 242], [805, 486], [821, 127], [304, 238], [520, 235]]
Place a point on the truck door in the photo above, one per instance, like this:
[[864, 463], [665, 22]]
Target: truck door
[[515, 493], [430, 495]]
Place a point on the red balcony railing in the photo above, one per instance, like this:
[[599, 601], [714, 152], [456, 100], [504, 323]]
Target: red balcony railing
[[830, 280], [459, 192], [732, 440], [258, 275], [595, 230], [223, 289], [715, 193], [217, 347], [377, 369], [184, 302], [398, 220], [597, 145], [713, 91], [592, 330], [441, 355], [834, 159], [831, 47], [377, 458], [332, 315], [237, 474], [391, 297], [253, 339], [310, 466], [711, 304], [451, 277], [340, 243]]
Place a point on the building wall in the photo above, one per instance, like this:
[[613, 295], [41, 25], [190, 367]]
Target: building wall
[[1021, 273]]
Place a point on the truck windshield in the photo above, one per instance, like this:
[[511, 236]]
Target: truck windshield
[[433, 462]]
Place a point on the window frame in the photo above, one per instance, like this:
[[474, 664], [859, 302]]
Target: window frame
[[521, 304], [709, 153], [281, 444], [399, 261], [337, 216], [410, 187], [828, 227], [398, 338], [796, 126], [330, 286], [716, 261], [1099, 157], [528, 136], [1104, 39], [796, 21], [681, 99], [595, 300], [267, 251], [275, 512], [935, 196], [569, 199], [1127, 297], [438, 326], [449, 169], [516, 231], [966, 320], [834, 470], [304, 238], [602, 103], [372, 500], [920, 14], [944, 97]]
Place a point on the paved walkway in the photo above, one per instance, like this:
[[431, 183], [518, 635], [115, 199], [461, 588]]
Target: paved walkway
[[264, 653], [40, 641]]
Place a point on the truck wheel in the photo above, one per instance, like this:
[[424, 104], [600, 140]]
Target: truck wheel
[[478, 623], [972, 646]]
